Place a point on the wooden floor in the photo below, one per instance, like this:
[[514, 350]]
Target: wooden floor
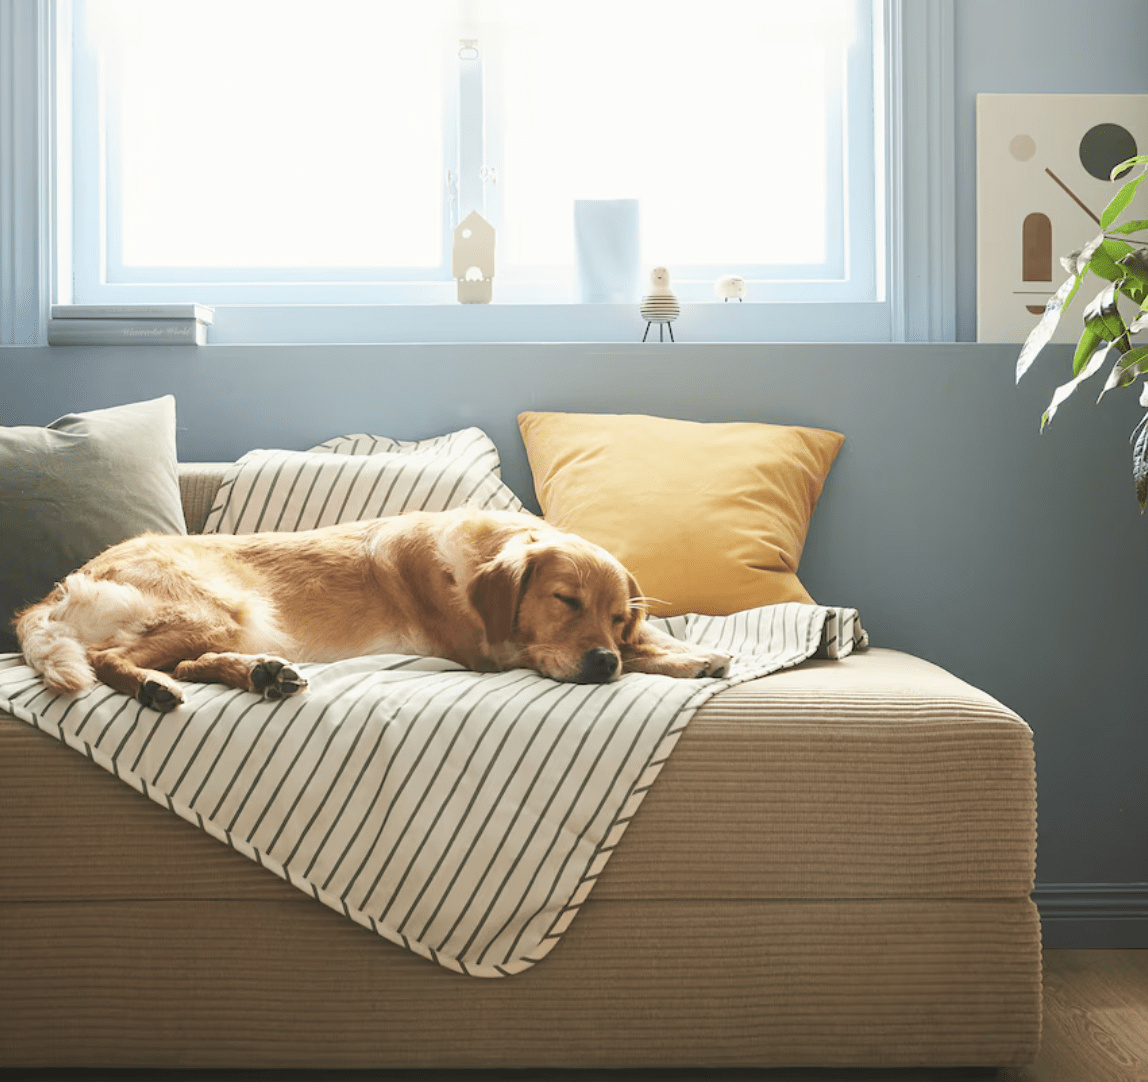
[[1095, 1030]]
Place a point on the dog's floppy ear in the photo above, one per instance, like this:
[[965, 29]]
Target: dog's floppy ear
[[637, 609], [496, 590]]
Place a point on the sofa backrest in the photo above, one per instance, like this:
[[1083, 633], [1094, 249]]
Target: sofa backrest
[[198, 484]]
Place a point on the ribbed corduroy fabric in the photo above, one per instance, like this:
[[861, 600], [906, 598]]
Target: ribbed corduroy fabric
[[198, 484], [834, 868], [687, 983], [847, 779]]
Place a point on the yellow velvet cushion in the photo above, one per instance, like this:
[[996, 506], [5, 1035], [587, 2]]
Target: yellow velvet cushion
[[710, 518]]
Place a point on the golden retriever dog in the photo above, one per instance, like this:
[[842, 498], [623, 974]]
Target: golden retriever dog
[[489, 590]]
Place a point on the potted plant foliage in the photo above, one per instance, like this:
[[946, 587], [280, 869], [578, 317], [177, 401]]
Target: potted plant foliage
[[1120, 260]]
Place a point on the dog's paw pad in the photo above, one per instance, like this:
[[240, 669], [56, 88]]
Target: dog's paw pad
[[158, 696], [276, 679]]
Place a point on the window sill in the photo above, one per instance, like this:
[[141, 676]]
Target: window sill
[[468, 323]]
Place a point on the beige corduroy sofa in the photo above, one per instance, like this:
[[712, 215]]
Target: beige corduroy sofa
[[833, 868]]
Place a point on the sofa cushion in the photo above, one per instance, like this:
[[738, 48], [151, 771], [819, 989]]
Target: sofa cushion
[[879, 776], [359, 477], [76, 486], [710, 518]]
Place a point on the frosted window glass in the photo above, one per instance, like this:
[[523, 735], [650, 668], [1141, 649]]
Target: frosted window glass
[[716, 120], [323, 146]]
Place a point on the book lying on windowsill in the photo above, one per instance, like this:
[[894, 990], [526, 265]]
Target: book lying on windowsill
[[204, 313], [127, 332]]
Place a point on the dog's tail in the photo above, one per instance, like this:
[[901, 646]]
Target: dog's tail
[[52, 645]]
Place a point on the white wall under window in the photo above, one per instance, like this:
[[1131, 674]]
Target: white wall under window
[[306, 217]]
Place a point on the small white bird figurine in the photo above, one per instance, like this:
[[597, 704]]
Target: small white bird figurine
[[729, 286], [660, 305]]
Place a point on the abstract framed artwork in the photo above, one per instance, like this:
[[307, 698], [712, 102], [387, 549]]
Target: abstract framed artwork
[[1043, 167]]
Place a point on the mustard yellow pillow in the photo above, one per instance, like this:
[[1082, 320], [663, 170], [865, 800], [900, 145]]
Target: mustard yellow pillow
[[710, 518]]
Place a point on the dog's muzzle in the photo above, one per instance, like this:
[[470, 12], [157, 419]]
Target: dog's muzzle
[[599, 666]]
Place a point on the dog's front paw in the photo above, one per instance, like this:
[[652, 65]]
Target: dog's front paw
[[159, 696], [275, 678], [689, 664], [716, 665]]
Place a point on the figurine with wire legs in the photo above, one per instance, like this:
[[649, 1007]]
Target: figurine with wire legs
[[729, 286], [660, 305]]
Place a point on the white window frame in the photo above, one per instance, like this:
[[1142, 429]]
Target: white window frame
[[918, 225]]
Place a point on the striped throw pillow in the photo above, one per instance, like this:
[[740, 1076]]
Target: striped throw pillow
[[359, 477]]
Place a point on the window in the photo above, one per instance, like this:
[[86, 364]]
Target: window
[[47, 224], [269, 152], [728, 123], [237, 144]]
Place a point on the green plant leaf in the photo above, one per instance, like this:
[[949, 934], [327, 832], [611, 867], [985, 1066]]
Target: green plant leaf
[[1040, 335], [1104, 260], [1134, 226], [1065, 390], [1089, 343], [1136, 292], [1124, 166], [1103, 319], [1139, 443], [1121, 200], [1102, 307], [1135, 284], [1077, 262], [1124, 372]]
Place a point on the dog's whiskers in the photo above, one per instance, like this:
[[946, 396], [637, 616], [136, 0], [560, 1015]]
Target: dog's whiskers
[[644, 602]]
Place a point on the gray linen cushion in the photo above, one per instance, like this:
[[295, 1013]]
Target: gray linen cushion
[[68, 491]]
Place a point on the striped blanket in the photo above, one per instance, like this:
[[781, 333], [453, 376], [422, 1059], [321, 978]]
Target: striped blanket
[[465, 816]]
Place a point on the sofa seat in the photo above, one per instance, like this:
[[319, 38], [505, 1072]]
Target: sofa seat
[[833, 868]]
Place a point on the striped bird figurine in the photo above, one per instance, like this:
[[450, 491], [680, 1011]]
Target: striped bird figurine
[[660, 305]]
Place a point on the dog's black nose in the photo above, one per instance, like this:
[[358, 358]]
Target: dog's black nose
[[598, 666]]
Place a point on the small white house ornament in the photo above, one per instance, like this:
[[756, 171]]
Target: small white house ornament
[[472, 263], [729, 286], [660, 305]]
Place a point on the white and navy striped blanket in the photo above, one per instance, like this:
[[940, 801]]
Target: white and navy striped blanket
[[465, 816]]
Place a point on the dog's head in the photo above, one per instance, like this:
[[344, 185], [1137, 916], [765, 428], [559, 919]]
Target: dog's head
[[563, 605]]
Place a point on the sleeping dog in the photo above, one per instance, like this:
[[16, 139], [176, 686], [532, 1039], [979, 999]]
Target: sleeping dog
[[488, 590]]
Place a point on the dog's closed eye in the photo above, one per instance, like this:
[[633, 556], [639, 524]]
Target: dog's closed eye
[[572, 603]]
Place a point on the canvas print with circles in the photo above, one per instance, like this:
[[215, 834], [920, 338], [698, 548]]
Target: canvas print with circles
[[1043, 166]]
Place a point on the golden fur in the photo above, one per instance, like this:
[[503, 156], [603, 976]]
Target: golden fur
[[489, 590]]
